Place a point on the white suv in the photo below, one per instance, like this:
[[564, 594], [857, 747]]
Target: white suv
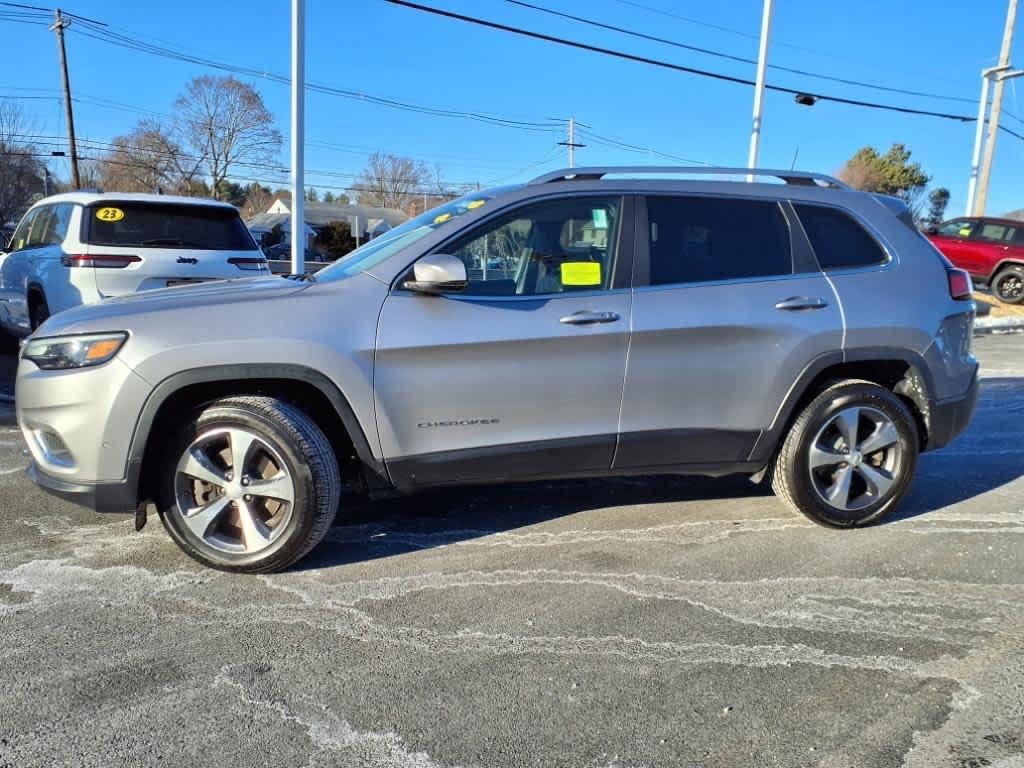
[[81, 248]]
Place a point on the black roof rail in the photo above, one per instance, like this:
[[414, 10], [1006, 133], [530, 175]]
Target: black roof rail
[[801, 178]]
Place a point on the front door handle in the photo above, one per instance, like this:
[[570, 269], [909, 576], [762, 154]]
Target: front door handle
[[800, 303], [589, 318]]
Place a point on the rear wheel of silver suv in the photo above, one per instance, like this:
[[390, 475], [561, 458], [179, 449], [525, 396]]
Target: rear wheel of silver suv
[[250, 484], [849, 457]]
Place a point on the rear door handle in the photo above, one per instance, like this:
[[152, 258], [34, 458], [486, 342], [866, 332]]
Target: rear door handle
[[589, 318], [799, 303]]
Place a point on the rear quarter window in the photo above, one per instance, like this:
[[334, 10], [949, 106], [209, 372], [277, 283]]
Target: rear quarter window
[[838, 240], [148, 225]]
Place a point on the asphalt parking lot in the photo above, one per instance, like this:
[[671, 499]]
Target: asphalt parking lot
[[639, 622]]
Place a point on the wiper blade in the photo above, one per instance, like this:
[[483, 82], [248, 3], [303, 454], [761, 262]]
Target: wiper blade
[[305, 278], [168, 241]]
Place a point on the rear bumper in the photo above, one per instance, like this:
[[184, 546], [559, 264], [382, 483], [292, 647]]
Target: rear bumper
[[100, 497], [948, 418]]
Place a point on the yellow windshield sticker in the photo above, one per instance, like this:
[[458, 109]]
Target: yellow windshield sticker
[[581, 273], [442, 218], [473, 205], [965, 232], [110, 214]]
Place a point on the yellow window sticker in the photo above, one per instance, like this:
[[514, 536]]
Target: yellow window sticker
[[581, 273], [442, 218], [110, 214], [474, 204], [965, 232]]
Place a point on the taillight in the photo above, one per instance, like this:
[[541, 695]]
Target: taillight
[[249, 264], [100, 261], [959, 284]]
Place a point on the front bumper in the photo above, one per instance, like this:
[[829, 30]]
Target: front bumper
[[117, 496], [948, 418]]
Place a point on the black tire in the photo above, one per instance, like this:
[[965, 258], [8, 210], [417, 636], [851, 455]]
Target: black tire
[[38, 311], [309, 460], [1008, 285], [792, 477]]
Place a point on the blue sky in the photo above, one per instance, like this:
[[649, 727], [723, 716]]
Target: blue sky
[[384, 50]]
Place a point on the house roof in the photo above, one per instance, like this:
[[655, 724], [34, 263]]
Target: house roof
[[319, 214], [1017, 215]]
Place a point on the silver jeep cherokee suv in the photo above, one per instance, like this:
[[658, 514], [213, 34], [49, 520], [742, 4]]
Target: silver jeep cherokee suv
[[595, 321]]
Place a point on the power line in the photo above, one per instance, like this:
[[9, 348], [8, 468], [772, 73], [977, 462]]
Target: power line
[[731, 57], [114, 38], [668, 65], [111, 148]]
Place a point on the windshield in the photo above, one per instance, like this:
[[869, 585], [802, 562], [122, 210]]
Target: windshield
[[166, 225], [387, 245]]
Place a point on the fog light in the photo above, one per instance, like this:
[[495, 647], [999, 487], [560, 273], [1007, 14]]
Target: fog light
[[53, 448]]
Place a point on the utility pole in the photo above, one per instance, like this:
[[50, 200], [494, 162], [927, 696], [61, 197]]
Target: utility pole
[[299, 137], [979, 134], [762, 66], [58, 27], [997, 106], [571, 142]]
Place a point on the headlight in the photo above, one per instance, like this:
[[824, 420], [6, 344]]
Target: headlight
[[65, 352]]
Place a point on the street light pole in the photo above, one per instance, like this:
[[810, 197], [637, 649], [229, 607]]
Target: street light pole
[[762, 66], [298, 136], [979, 134]]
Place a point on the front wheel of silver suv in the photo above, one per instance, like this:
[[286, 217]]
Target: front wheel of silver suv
[[849, 457], [249, 484]]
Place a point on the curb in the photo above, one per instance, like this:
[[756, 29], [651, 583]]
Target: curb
[[985, 326]]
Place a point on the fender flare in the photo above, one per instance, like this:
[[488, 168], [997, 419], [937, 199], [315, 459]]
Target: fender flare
[[241, 372], [770, 438]]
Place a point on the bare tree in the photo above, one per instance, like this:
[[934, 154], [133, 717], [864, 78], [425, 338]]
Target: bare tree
[[21, 169], [225, 122], [148, 159], [390, 181], [257, 200]]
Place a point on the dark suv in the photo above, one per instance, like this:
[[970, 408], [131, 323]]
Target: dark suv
[[595, 321]]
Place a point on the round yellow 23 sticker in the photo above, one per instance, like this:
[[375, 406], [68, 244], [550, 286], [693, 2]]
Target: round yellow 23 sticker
[[110, 214]]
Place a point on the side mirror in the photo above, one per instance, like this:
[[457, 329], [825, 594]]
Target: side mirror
[[436, 274]]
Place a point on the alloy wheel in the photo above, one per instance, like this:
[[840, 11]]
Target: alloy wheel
[[855, 459], [1011, 288], [234, 491]]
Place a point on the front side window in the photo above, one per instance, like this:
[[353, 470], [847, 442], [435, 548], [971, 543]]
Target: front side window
[[551, 247], [20, 240], [838, 241], [957, 228], [997, 233], [165, 225], [703, 239]]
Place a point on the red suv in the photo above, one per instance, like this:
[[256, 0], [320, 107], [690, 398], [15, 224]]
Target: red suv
[[991, 250]]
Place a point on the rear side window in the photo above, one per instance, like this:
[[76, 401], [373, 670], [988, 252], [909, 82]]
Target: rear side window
[[838, 241], [149, 225], [700, 239], [997, 233], [40, 224]]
